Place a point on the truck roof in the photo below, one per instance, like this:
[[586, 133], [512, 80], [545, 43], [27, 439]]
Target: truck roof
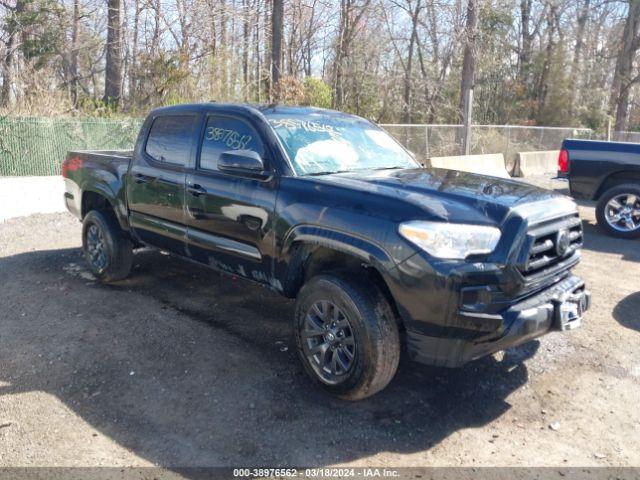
[[247, 107]]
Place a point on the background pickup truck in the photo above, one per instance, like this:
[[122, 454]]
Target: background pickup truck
[[609, 173], [329, 209]]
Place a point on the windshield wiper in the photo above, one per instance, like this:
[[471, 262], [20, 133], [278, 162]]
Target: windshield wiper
[[315, 174], [397, 167]]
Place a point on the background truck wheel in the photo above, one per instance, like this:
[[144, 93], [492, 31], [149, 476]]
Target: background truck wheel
[[347, 336], [618, 211], [106, 247]]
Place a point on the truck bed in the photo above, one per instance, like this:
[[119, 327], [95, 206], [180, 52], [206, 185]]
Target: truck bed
[[103, 154], [109, 159], [594, 166], [100, 172]]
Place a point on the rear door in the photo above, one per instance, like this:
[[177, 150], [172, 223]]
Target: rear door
[[230, 217], [156, 183]]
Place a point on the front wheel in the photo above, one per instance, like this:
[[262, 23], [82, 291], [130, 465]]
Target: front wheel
[[107, 249], [618, 211], [347, 336]]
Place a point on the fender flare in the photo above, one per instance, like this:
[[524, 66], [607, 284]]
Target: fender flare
[[119, 209], [343, 242], [602, 185]]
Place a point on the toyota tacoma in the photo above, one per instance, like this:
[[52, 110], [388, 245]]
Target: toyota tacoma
[[380, 253]]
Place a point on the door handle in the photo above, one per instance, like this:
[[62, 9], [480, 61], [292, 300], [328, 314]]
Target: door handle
[[140, 178], [196, 190]]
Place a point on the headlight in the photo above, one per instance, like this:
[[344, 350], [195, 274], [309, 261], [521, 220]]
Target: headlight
[[451, 240]]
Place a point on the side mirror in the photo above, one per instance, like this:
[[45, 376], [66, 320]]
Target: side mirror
[[242, 162]]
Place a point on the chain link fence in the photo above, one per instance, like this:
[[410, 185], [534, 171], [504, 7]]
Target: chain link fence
[[428, 141], [37, 146], [633, 137]]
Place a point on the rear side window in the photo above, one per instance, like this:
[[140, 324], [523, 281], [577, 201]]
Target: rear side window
[[223, 134], [170, 139]]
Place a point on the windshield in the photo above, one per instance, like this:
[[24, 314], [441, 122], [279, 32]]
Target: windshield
[[320, 143]]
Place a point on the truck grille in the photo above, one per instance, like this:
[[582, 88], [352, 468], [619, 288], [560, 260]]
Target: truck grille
[[549, 243]]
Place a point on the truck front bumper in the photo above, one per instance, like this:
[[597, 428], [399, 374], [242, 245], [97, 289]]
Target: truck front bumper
[[559, 307]]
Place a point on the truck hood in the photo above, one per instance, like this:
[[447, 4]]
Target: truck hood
[[451, 195]]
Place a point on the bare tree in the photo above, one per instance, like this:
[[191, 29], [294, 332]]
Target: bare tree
[[469, 58], [553, 26], [245, 49], [73, 61], [133, 79], [623, 78], [351, 15], [10, 47], [542, 61], [113, 70], [581, 23], [526, 41], [277, 28]]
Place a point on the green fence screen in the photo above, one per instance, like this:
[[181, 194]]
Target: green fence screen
[[37, 146]]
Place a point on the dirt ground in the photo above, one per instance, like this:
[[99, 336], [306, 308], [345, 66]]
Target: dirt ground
[[181, 366]]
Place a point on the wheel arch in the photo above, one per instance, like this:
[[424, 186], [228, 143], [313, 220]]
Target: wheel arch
[[615, 179], [310, 258], [95, 199]]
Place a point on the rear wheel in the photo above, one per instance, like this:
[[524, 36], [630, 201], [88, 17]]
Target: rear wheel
[[347, 336], [618, 211], [107, 248]]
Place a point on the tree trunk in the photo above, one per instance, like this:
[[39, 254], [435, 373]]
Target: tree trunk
[[7, 67], [277, 25], [409, 69], [133, 74], [222, 60], [113, 70], [543, 83], [73, 67], [266, 61], [577, 50], [258, 63], [10, 54], [341, 52], [308, 43], [292, 46], [155, 43], [245, 49], [428, 104], [622, 79], [469, 57], [526, 39]]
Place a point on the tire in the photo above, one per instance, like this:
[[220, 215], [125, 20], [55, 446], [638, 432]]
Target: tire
[[371, 336], [115, 256], [606, 212]]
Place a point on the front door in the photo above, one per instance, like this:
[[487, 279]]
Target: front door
[[156, 182], [229, 218]]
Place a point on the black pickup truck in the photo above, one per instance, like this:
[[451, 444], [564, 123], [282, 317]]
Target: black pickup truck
[[327, 208], [608, 173]]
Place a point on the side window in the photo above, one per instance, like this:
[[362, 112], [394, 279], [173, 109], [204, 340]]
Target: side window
[[223, 134], [170, 139]]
